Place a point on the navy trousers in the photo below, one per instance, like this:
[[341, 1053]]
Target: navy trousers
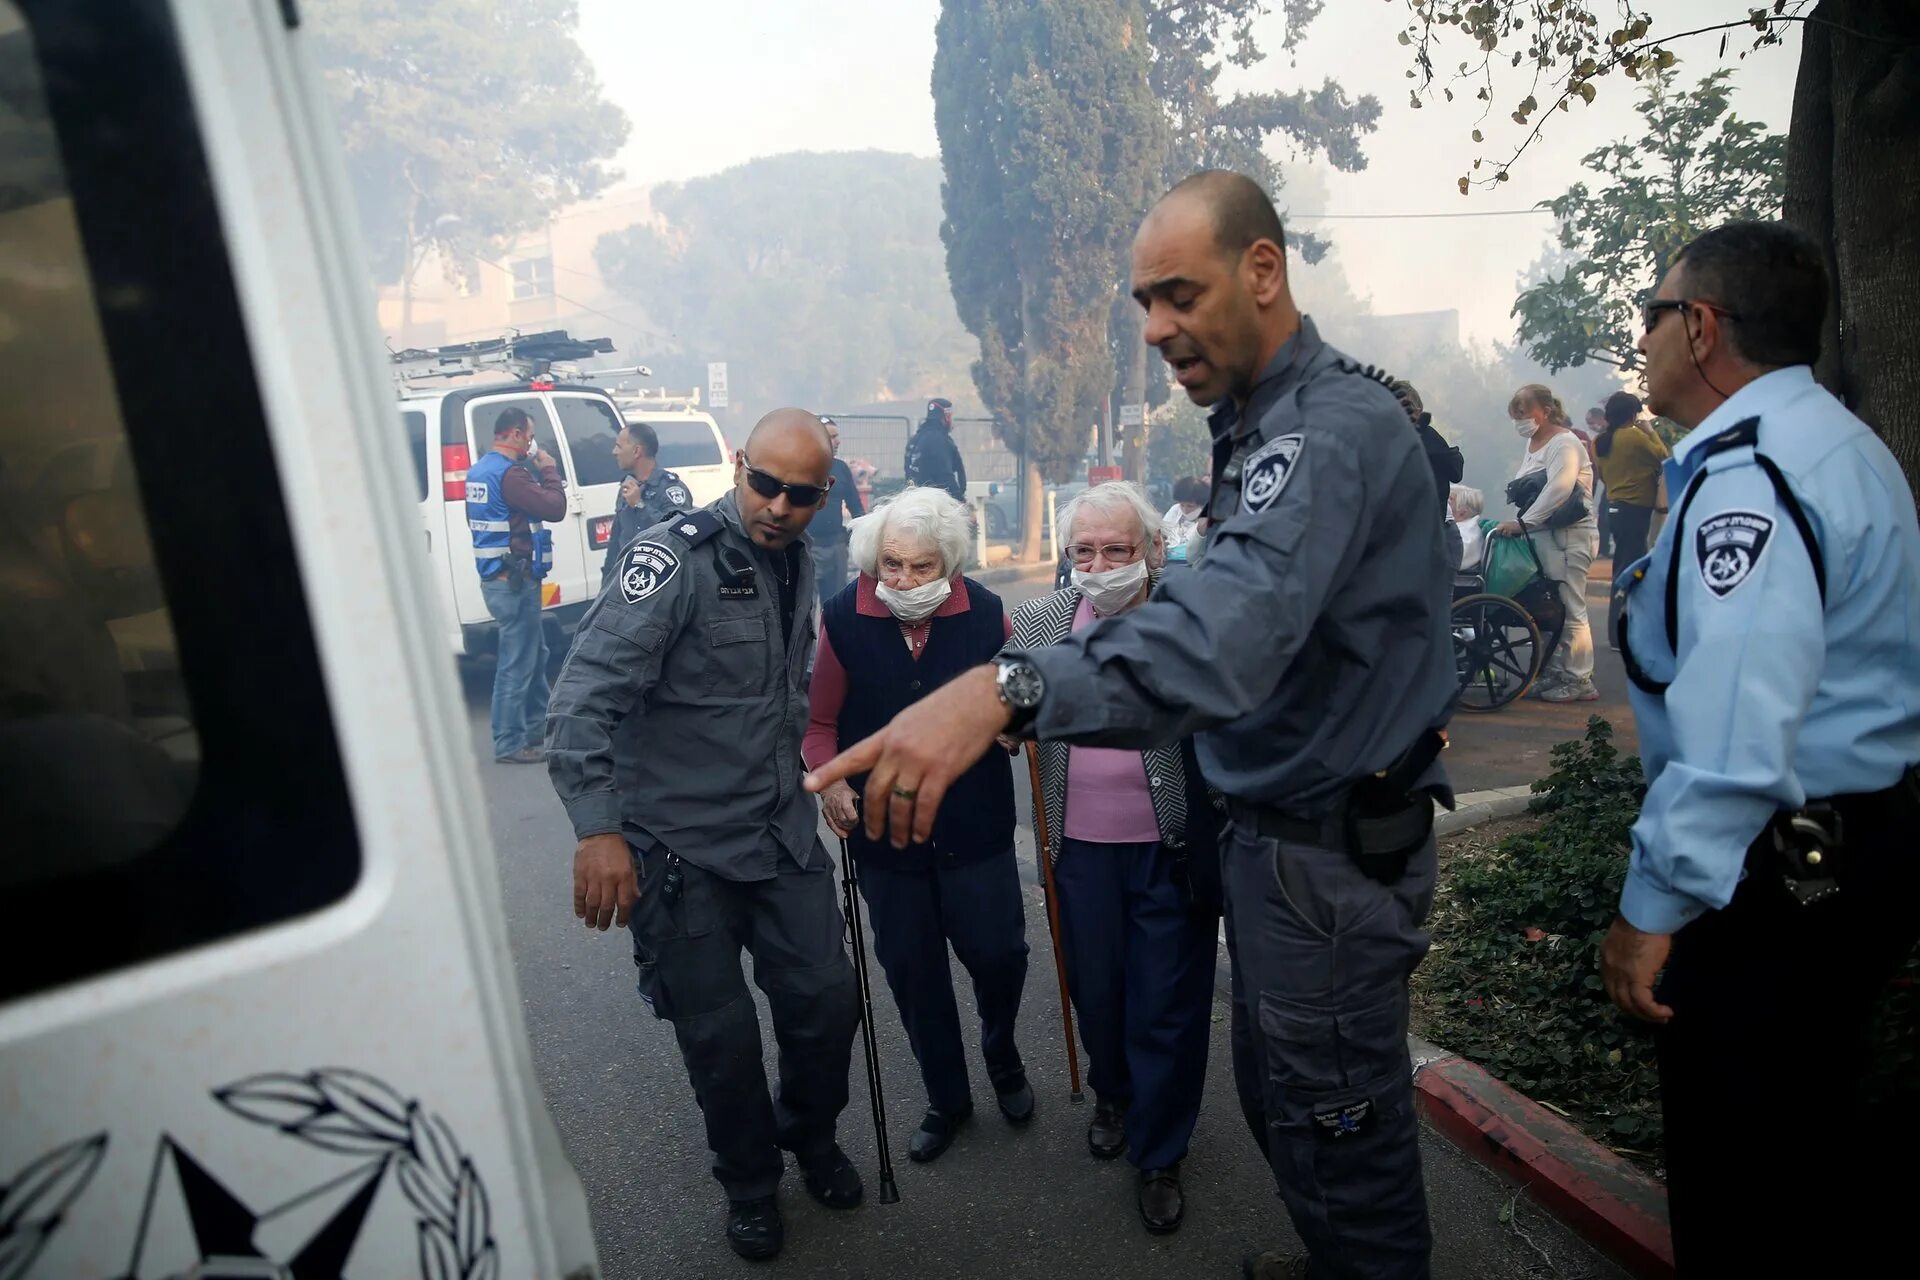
[[976, 907], [1141, 971]]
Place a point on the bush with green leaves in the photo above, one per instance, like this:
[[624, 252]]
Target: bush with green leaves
[[1513, 981]]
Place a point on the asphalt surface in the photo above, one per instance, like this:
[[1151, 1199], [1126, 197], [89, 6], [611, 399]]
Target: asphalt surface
[[1006, 1202]]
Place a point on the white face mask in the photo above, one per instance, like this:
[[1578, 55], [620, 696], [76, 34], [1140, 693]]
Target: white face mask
[[915, 604], [1111, 590], [1525, 428]]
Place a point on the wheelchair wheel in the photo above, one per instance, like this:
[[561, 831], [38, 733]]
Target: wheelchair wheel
[[1497, 651]]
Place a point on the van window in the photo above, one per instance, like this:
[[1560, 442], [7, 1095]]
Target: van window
[[168, 774], [590, 424], [687, 443], [482, 414], [416, 425]]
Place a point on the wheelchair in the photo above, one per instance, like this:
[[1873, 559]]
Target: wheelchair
[[1500, 643]]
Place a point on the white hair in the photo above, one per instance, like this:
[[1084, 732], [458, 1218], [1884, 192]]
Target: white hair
[[927, 516], [1116, 497], [1467, 501]]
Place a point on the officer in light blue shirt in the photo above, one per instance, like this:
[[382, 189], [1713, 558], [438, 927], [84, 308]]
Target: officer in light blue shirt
[[1772, 637]]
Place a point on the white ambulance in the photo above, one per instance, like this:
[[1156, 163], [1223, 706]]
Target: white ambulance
[[257, 1013]]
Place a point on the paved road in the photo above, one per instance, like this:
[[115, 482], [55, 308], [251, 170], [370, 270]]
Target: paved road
[[1001, 1202]]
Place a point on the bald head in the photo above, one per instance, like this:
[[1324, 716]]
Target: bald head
[[1232, 203], [788, 448]]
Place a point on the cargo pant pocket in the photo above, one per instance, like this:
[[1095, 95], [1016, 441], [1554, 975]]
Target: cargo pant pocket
[[1330, 1072], [652, 990]]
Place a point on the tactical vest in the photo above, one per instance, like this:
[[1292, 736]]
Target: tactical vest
[[491, 522]]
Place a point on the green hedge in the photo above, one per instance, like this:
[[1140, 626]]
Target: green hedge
[[1513, 981]]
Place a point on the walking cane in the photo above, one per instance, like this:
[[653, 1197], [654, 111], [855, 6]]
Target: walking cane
[[1053, 913], [856, 936]]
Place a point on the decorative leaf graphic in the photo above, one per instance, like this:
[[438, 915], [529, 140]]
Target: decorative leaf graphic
[[433, 1199], [471, 1228], [278, 1099], [436, 1254], [433, 1144], [47, 1186], [344, 1134], [369, 1103], [487, 1267], [20, 1246]]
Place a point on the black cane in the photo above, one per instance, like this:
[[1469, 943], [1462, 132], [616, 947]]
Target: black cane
[[856, 936]]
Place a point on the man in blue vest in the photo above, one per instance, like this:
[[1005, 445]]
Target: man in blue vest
[[509, 493]]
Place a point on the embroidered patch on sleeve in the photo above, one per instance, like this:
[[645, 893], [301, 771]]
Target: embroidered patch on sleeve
[[650, 566], [1267, 470], [1730, 545]]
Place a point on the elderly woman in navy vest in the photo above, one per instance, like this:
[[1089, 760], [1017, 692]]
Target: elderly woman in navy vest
[[909, 623], [1131, 834]]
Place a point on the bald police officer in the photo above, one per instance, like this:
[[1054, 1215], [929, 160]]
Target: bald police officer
[[673, 738], [648, 495], [1309, 650], [1773, 642]]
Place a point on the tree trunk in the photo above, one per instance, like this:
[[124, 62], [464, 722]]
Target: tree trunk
[[1033, 501], [1853, 182]]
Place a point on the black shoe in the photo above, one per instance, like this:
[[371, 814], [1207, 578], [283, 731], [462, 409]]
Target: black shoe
[[754, 1228], [834, 1182], [525, 755], [1016, 1099], [1273, 1266], [1162, 1204], [936, 1134], [1107, 1135]]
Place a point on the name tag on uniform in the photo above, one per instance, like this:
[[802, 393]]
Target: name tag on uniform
[[738, 593]]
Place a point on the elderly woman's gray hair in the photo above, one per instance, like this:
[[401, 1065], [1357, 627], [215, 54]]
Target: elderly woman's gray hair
[[1118, 500], [921, 515], [1466, 502]]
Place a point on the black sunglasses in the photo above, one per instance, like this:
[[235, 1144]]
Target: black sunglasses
[[1650, 312], [768, 485]]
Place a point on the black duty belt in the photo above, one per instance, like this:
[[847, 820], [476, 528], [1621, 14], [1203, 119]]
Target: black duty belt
[[1815, 847], [1329, 832]]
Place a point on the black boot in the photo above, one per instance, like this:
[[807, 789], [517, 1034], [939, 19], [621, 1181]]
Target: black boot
[[936, 1134], [1107, 1134], [754, 1228], [833, 1180]]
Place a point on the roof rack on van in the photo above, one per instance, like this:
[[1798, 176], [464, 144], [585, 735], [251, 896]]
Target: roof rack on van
[[526, 356], [661, 401]]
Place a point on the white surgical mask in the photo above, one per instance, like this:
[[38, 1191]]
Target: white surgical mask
[[1525, 428], [1111, 590], [915, 604]]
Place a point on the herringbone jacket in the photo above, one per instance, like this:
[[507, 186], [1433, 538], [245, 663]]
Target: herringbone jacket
[[1049, 620]]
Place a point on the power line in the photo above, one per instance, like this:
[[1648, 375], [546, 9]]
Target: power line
[[1469, 213]]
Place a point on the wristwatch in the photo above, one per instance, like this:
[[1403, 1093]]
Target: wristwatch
[[1021, 686]]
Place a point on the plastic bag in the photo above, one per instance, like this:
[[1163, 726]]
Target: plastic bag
[[1510, 565]]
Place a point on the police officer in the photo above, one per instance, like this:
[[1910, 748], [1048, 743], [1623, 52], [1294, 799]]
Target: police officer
[[703, 644], [1772, 637], [1309, 649], [933, 459], [648, 495]]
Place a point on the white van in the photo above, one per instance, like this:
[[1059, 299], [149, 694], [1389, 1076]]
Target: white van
[[691, 444], [448, 430], [257, 1013]]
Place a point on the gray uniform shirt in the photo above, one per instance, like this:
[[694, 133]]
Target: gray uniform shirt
[[678, 715], [1311, 642], [662, 494]]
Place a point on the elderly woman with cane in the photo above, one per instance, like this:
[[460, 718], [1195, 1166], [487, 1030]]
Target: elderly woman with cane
[[1133, 838], [906, 625]]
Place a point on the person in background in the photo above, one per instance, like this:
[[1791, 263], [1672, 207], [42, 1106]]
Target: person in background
[[1467, 506], [1442, 458], [1128, 829], [933, 459], [1565, 548], [649, 493], [908, 624], [827, 535], [510, 492], [1773, 642], [1602, 520], [1630, 458], [1183, 517]]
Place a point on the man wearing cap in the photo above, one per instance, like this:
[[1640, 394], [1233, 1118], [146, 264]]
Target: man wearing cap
[[827, 535], [933, 459]]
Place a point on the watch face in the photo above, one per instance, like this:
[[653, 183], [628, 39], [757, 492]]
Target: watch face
[[1022, 685]]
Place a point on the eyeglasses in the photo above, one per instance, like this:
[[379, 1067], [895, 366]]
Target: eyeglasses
[[1114, 552], [1650, 313], [768, 485]]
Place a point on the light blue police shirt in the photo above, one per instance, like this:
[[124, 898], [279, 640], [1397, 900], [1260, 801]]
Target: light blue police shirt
[[1771, 700]]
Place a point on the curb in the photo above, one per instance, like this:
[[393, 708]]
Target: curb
[[1612, 1205]]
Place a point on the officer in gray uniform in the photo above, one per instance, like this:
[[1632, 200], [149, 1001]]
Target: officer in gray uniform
[[649, 494], [701, 645], [1310, 652]]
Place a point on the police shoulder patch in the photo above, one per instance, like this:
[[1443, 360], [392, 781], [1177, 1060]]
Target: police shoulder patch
[[695, 526], [677, 495], [1267, 469], [650, 566], [1729, 545]]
